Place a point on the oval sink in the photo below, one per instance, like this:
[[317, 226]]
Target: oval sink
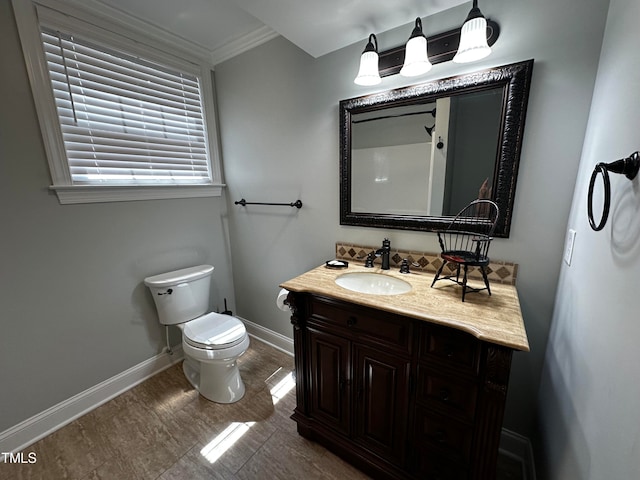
[[373, 283]]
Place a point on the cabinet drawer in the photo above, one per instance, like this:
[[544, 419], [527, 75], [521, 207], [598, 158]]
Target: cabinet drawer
[[453, 396], [363, 323], [448, 436], [450, 347]]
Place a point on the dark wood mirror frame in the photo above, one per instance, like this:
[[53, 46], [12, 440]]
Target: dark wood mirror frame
[[515, 79]]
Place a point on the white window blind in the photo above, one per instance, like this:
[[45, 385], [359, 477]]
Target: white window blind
[[125, 120]]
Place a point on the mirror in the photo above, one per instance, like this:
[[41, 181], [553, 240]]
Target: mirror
[[411, 158]]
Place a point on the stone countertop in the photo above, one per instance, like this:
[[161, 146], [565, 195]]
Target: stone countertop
[[496, 318]]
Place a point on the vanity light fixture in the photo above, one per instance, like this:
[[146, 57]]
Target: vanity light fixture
[[462, 45], [369, 73], [473, 37], [416, 60]]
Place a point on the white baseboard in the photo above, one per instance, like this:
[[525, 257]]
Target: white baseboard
[[31, 430], [518, 447], [276, 340], [44, 423]]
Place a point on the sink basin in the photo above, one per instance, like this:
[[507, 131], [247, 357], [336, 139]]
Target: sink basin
[[373, 283]]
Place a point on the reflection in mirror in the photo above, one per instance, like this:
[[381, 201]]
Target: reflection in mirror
[[391, 160], [412, 158], [424, 159]]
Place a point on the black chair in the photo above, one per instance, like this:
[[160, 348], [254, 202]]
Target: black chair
[[465, 243]]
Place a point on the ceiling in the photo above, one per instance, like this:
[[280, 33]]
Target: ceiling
[[318, 27]]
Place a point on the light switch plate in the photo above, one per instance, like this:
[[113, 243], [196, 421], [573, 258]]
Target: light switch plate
[[568, 246]]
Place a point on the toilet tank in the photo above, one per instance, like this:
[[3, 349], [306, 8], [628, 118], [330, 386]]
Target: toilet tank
[[181, 295]]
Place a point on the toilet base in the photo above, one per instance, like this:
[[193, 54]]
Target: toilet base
[[191, 370], [217, 381]]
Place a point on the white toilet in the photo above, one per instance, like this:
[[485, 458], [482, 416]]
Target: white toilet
[[212, 342]]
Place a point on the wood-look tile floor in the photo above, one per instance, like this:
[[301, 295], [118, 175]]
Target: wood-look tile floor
[[162, 429]]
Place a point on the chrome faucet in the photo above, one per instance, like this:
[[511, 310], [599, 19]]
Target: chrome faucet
[[384, 252]]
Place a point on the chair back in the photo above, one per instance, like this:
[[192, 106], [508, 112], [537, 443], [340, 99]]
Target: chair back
[[470, 232]]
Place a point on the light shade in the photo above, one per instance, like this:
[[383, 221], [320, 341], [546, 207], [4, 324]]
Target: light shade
[[369, 74], [416, 60], [473, 37]]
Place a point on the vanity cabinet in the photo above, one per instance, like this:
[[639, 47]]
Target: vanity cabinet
[[358, 371], [399, 397]]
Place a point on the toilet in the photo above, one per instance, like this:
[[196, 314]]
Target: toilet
[[212, 342]]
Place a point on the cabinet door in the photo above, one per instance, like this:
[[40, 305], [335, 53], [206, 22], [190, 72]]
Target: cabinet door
[[381, 401], [330, 380]]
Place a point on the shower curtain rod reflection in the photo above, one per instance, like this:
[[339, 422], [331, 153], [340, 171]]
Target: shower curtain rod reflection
[[406, 114], [243, 202]]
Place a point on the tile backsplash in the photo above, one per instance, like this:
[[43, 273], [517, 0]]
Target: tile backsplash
[[498, 271]]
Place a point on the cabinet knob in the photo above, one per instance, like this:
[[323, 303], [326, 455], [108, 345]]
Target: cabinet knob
[[351, 321], [445, 395], [441, 436], [344, 382], [448, 350]]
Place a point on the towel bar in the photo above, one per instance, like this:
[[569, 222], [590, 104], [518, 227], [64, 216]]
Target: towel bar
[[243, 202]]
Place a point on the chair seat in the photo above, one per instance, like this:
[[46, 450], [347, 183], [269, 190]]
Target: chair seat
[[463, 256]]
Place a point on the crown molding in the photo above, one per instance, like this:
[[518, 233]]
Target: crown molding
[[186, 48], [155, 35], [243, 44]]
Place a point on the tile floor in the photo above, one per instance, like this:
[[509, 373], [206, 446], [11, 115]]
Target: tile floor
[[162, 429]]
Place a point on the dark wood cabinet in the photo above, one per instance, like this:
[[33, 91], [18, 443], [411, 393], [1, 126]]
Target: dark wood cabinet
[[398, 397], [329, 379], [357, 375], [380, 401]]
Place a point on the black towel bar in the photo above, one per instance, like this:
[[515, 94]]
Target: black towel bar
[[297, 203]]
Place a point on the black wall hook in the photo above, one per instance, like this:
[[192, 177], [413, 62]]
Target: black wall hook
[[628, 167], [430, 129]]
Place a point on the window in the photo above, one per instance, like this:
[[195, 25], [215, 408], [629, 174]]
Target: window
[[125, 120], [121, 120]]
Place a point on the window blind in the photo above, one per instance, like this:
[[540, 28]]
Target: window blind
[[125, 120]]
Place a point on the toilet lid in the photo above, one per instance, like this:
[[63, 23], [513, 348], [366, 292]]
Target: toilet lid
[[214, 331]]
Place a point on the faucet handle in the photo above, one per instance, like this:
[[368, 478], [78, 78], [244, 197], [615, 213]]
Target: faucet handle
[[404, 266], [368, 263]]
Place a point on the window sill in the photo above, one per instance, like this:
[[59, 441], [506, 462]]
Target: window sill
[[70, 194]]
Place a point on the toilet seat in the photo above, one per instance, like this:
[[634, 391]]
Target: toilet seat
[[214, 331]]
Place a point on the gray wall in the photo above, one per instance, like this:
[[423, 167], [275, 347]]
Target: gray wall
[[589, 392], [73, 309], [279, 127]]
